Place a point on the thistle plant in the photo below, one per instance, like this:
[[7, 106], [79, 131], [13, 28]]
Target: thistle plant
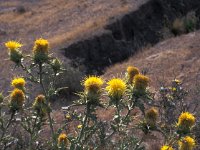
[[137, 114]]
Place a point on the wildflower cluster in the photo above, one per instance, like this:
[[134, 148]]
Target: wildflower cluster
[[128, 104]]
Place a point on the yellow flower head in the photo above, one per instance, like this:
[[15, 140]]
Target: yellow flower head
[[151, 116], [13, 45], [187, 143], [68, 117], [79, 126], [186, 120], [40, 50], [92, 84], [166, 147], [14, 52], [17, 99], [132, 71], [140, 82], [176, 81], [116, 88], [62, 139], [41, 45], [18, 83]]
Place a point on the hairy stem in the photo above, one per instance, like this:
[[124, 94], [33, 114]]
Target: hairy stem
[[47, 99], [84, 123], [8, 124]]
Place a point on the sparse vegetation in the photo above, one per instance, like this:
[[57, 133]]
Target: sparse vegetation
[[185, 24]]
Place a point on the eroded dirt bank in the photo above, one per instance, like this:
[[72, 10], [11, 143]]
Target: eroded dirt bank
[[124, 36]]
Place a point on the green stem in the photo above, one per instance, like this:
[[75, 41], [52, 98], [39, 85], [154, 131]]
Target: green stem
[[7, 126], [47, 99], [28, 72], [118, 114], [139, 143], [130, 108], [129, 111], [41, 82], [84, 123], [33, 132]]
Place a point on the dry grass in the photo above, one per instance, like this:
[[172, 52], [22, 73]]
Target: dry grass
[[60, 21], [173, 58]]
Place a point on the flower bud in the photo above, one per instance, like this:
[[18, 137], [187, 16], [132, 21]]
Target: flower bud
[[40, 51], [14, 53], [17, 99], [62, 140], [39, 105], [56, 65], [132, 71], [19, 83], [187, 143], [140, 82], [151, 116]]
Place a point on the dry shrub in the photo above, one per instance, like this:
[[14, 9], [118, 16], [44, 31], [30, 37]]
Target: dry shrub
[[70, 78], [185, 24]]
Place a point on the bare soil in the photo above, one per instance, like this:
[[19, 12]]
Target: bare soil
[[61, 22]]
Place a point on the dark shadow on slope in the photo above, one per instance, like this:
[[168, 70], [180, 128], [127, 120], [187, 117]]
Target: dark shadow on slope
[[126, 35]]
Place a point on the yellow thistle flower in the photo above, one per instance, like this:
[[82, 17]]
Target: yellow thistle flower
[[40, 50], [17, 99], [187, 143], [41, 45], [18, 83], [151, 116], [14, 52], [132, 71], [176, 81], [116, 88], [166, 147], [174, 89], [140, 82], [92, 84], [68, 117], [79, 126], [62, 139], [13, 45], [186, 120]]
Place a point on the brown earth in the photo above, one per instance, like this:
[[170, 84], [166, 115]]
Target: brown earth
[[61, 22], [173, 58]]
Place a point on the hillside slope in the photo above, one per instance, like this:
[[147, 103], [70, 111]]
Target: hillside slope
[[60, 21], [173, 58]]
